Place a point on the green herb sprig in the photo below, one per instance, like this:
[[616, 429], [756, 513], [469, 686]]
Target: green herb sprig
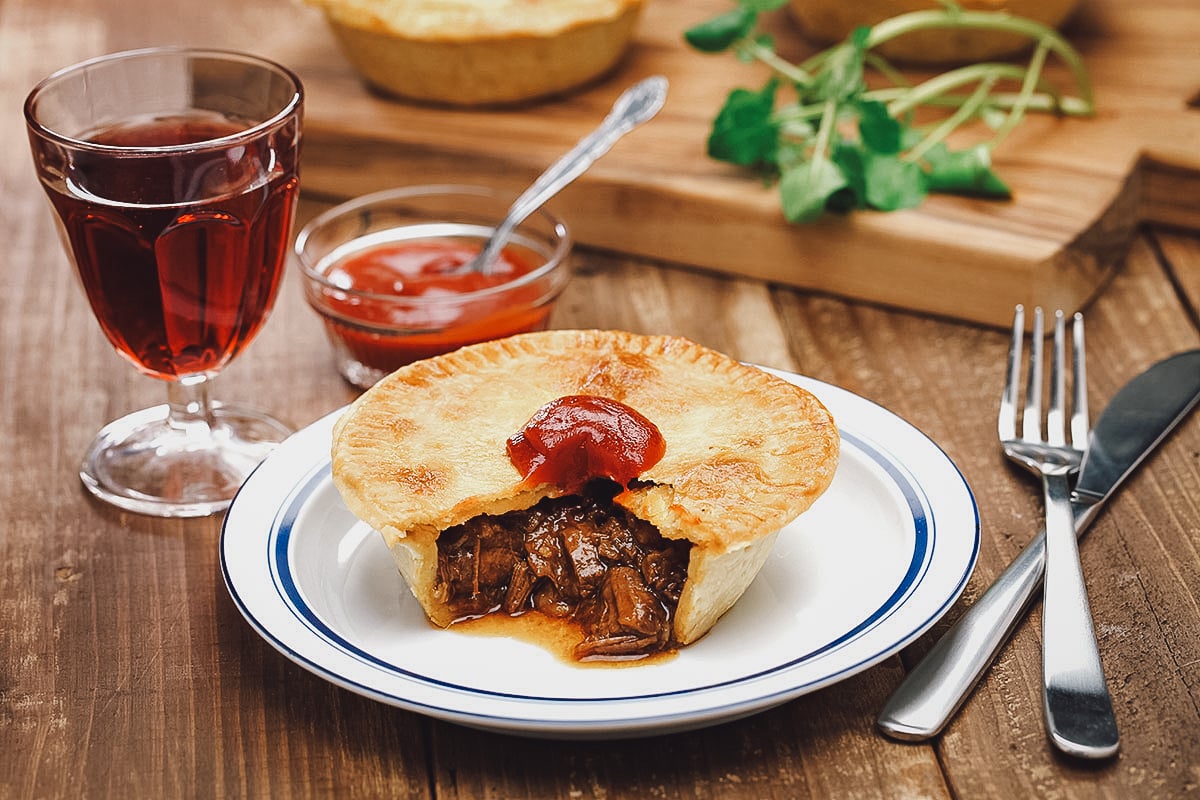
[[842, 144]]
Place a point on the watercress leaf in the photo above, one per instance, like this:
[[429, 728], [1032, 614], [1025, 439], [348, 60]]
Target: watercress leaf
[[718, 33], [893, 184], [743, 132], [843, 201], [910, 137], [841, 74], [848, 156], [878, 129], [964, 172], [790, 152], [805, 188]]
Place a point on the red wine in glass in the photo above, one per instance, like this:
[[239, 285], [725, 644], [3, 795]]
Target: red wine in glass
[[180, 277], [173, 173]]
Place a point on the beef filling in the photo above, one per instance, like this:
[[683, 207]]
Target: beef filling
[[578, 557]]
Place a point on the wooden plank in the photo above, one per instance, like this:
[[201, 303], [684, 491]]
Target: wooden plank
[[1079, 185], [1180, 255], [818, 746]]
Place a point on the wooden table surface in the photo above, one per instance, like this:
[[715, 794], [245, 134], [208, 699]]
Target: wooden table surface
[[126, 670]]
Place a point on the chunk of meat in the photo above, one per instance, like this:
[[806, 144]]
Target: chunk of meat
[[583, 551], [547, 556], [624, 618], [520, 586], [547, 600], [579, 557], [475, 565], [665, 574]]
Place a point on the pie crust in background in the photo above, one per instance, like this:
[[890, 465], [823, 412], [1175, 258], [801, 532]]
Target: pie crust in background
[[481, 52]]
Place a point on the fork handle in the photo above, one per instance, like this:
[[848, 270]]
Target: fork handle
[[939, 684], [1079, 712]]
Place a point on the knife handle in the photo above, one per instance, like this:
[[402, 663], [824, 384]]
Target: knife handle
[[937, 687]]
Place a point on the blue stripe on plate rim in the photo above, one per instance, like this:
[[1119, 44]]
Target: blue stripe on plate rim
[[278, 546]]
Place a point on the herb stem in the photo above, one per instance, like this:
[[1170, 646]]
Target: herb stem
[[825, 131], [961, 19], [753, 49], [935, 87], [885, 68], [1049, 102], [797, 112], [1036, 64], [969, 108]]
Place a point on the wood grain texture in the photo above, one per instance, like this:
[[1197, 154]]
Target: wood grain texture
[[127, 671], [781, 754], [1143, 315]]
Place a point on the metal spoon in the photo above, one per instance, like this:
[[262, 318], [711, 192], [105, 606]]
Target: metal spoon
[[636, 105]]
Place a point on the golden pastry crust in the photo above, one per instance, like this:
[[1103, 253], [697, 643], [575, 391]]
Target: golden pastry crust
[[746, 452], [481, 52], [469, 20]]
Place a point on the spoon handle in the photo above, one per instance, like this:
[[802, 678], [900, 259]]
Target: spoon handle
[[636, 105]]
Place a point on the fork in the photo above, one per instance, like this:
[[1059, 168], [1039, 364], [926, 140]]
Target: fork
[[1079, 712]]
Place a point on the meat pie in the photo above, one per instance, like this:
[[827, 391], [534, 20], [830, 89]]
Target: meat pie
[[629, 485]]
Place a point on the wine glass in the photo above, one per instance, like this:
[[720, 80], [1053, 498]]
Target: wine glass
[[173, 176]]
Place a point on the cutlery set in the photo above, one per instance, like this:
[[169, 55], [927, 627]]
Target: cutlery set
[[1077, 705]]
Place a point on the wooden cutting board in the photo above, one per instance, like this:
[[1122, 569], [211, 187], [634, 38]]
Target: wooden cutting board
[[1081, 186]]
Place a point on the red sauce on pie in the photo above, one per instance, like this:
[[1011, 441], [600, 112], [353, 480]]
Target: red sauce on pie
[[574, 439], [387, 333]]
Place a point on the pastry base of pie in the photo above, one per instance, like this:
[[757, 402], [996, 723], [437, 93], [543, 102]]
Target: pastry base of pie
[[481, 52], [424, 450]]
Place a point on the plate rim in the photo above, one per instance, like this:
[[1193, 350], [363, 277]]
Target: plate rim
[[630, 724]]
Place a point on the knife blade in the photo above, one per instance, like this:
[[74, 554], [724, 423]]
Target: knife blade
[[1137, 419]]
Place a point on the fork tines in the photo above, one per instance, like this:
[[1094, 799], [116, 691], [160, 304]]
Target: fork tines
[[1031, 414]]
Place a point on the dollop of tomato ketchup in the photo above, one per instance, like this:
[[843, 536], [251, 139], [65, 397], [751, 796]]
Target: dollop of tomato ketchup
[[574, 439]]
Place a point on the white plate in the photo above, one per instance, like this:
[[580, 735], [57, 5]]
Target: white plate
[[869, 568]]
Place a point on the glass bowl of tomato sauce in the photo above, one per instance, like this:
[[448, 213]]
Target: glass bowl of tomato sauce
[[386, 274]]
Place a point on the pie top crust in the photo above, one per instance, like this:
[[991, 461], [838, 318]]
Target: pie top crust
[[746, 452]]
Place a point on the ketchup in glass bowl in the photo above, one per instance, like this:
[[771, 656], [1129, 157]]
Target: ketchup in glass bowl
[[386, 274]]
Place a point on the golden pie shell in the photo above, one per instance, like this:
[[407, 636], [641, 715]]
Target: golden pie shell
[[746, 452], [481, 52]]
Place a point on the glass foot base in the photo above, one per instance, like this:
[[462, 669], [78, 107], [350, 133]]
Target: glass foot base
[[143, 464]]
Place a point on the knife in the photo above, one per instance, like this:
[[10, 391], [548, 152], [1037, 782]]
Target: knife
[[1136, 420]]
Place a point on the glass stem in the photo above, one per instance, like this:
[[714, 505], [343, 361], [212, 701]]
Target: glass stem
[[189, 410]]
